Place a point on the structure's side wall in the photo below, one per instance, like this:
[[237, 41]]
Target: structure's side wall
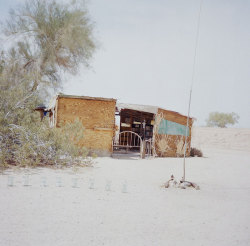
[[172, 145], [175, 117], [98, 118], [98, 140]]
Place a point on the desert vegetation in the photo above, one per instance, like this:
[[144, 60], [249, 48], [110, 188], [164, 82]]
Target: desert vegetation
[[216, 119], [45, 40], [194, 152]]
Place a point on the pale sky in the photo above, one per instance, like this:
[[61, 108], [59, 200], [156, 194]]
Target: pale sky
[[146, 51]]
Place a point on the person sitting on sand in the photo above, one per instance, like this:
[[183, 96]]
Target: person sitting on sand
[[171, 183]]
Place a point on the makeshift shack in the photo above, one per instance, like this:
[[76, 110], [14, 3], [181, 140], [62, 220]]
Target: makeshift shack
[[143, 129]]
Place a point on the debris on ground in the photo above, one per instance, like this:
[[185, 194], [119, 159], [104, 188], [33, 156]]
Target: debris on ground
[[183, 184]]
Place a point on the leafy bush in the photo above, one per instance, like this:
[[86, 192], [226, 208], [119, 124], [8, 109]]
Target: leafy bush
[[196, 152], [222, 119]]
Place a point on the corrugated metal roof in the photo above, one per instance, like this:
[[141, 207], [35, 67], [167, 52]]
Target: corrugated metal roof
[[138, 107], [144, 108]]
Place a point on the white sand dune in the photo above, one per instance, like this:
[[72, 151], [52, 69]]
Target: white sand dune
[[137, 210], [223, 138]]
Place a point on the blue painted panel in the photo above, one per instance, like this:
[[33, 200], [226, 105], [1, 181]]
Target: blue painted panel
[[172, 128]]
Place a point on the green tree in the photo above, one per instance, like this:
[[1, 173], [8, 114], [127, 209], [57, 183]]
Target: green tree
[[48, 38], [217, 119]]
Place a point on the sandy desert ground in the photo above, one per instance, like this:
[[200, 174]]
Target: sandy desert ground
[[121, 202]]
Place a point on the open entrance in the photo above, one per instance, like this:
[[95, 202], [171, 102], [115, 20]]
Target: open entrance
[[135, 127], [141, 123]]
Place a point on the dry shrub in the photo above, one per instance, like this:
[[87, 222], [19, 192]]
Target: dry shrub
[[40, 145], [196, 152]]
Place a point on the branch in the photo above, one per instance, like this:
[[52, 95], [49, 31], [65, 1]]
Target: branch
[[18, 103]]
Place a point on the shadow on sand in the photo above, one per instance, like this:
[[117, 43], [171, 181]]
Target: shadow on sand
[[126, 155]]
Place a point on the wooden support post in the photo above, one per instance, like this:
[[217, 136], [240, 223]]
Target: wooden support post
[[143, 149]]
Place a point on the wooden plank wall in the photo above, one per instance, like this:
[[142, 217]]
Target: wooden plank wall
[[175, 142], [97, 116], [175, 117]]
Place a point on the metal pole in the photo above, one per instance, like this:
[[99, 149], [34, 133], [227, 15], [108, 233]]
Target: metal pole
[[191, 88], [187, 128]]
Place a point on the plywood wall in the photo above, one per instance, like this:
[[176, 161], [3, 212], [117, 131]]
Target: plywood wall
[[175, 117], [172, 145], [97, 116]]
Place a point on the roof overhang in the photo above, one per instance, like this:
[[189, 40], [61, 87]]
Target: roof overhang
[[137, 107]]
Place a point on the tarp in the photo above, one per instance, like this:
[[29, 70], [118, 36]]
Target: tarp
[[172, 128]]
